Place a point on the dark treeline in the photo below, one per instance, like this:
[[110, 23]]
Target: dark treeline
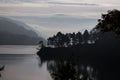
[[100, 48], [103, 40], [69, 39], [109, 23]]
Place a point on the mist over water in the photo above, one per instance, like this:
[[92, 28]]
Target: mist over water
[[22, 63], [15, 49]]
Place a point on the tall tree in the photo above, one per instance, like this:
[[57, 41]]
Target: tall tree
[[86, 36], [79, 38], [110, 21], [60, 39]]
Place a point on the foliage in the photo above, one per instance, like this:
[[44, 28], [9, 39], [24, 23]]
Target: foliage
[[110, 21], [68, 39]]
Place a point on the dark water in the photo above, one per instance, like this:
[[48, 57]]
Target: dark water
[[28, 66], [85, 68]]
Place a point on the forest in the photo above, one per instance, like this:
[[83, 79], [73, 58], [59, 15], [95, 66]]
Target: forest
[[69, 55], [108, 25], [69, 39]]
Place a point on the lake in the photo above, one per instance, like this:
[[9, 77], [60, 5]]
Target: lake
[[22, 63]]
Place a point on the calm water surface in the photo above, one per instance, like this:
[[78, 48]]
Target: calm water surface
[[22, 63]]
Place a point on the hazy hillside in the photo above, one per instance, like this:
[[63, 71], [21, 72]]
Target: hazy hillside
[[14, 32]]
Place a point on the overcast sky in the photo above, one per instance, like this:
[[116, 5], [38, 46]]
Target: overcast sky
[[51, 16]]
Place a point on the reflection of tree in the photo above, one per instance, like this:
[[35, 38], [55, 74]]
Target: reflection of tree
[[1, 69], [64, 70], [102, 52]]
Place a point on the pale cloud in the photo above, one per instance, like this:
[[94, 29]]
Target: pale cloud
[[24, 5], [38, 13], [51, 25], [77, 2], [81, 8]]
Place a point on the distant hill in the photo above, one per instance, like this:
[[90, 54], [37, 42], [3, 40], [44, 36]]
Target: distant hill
[[16, 33]]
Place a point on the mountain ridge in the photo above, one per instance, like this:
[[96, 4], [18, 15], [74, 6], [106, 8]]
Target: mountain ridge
[[18, 33]]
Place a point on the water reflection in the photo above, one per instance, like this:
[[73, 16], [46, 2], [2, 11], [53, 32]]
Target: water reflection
[[1, 69], [68, 70], [82, 67], [71, 68]]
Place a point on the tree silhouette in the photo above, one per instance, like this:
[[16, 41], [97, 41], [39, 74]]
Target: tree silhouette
[[79, 38], [1, 69], [110, 21], [73, 39], [60, 39], [86, 36], [68, 39]]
